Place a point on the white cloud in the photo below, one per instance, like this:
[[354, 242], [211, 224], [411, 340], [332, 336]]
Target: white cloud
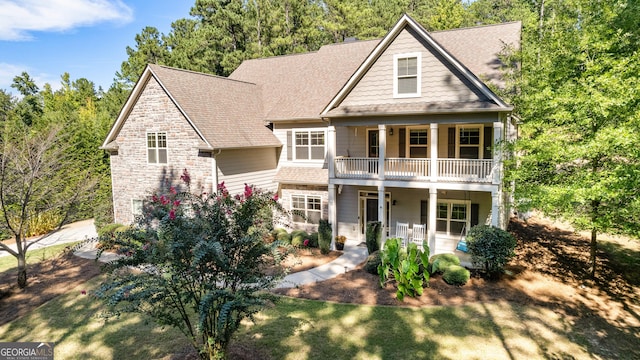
[[9, 71], [18, 18]]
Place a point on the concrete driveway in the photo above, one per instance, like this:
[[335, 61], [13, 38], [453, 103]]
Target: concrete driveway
[[76, 231]]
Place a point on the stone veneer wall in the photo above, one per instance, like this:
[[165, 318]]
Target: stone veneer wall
[[132, 176]]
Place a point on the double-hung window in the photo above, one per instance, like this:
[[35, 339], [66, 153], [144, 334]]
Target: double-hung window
[[407, 75], [470, 142], [306, 208], [418, 143], [309, 144], [453, 217], [157, 147]]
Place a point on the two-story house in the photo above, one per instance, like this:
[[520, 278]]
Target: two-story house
[[401, 129]]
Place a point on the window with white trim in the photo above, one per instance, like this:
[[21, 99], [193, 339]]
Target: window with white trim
[[306, 208], [470, 140], [309, 144], [157, 147], [407, 75], [453, 217], [418, 141]]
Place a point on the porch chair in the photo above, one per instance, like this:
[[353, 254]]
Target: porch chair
[[402, 231], [417, 236]]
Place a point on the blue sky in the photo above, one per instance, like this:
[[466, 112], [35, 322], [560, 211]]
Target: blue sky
[[86, 38]]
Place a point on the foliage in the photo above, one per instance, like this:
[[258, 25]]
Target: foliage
[[298, 237], [440, 262], [324, 236], [41, 184], [313, 240], [203, 261], [283, 237], [408, 267], [456, 275], [110, 229], [490, 247], [373, 262], [374, 233], [578, 99]]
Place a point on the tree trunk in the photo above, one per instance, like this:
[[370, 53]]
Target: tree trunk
[[22, 271], [593, 252]]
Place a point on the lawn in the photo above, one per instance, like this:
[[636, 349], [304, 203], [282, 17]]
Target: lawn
[[576, 326], [8, 262], [304, 329]]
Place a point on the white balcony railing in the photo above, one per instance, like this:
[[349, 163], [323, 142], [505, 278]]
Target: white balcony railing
[[457, 170]]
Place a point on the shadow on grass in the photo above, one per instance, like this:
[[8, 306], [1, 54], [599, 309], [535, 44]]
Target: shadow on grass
[[72, 321]]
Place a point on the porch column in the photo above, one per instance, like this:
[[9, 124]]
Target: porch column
[[433, 208], [433, 168], [382, 213], [495, 208], [498, 129], [214, 173], [333, 214], [382, 150], [331, 151]]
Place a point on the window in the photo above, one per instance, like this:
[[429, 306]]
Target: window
[[453, 217], [418, 143], [157, 147], [374, 144], [306, 208], [136, 207], [406, 82], [309, 144], [470, 142]]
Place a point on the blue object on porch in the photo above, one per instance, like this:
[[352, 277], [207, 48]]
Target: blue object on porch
[[462, 246]]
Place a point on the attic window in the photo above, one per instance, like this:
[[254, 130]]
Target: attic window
[[407, 74], [157, 147]]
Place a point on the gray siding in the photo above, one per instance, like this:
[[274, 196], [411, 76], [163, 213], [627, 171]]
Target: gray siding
[[251, 166], [439, 83]]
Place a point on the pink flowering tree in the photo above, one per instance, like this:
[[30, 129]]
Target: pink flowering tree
[[204, 262]]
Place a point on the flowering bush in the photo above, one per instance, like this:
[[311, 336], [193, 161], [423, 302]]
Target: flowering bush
[[204, 260]]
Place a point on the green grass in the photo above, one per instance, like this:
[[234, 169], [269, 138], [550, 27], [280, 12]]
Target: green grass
[[8, 262], [302, 329]]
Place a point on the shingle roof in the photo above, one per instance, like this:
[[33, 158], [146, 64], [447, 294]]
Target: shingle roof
[[300, 86], [227, 112], [302, 175]]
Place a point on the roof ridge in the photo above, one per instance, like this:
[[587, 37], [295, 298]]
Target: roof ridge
[[200, 73], [474, 27]]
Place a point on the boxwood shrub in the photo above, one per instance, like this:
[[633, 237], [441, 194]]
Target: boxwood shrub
[[490, 248], [440, 262], [456, 275], [372, 263]]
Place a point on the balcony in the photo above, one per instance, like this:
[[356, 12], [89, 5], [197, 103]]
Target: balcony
[[453, 170]]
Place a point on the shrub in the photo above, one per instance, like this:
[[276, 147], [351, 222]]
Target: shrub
[[298, 237], [405, 266], [374, 231], [490, 248], [203, 261], [440, 262], [372, 263], [110, 229], [313, 240], [324, 236], [284, 237], [456, 275]]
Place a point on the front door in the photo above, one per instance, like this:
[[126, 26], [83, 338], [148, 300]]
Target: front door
[[369, 209]]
